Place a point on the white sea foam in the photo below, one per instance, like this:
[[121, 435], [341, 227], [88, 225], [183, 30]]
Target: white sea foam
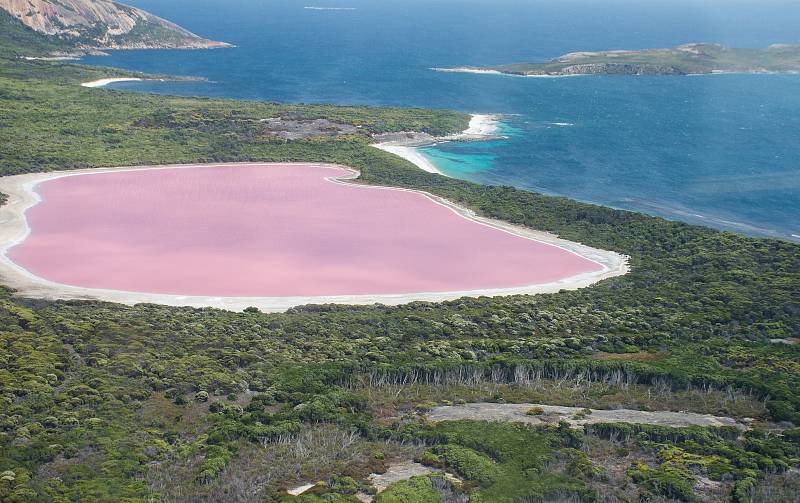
[[482, 125], [561, 124]]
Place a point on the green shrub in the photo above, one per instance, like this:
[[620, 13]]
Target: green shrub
[[535, 411], [413, 490], [669, 481], [469, 464]]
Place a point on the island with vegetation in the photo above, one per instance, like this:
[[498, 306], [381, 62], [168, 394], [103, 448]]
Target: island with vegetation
[[688, 59], [678, 381]]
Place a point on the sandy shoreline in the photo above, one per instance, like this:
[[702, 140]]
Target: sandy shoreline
[[21, 196], [466, 69], [410, 154], [105, 82], [481, 127]]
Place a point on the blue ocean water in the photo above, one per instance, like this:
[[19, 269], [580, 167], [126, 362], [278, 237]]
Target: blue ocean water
[[719, 150]]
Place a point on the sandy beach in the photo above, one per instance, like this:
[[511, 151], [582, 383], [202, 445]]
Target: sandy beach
[[22, 196], [105, 82], [410, 154], [466, 69], [51, 58], [481, 127]]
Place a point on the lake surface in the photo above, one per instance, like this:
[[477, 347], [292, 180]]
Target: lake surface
[[720, 150], [272, 230]]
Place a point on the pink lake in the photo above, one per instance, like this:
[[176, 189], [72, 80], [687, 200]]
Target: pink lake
[[269, 231]]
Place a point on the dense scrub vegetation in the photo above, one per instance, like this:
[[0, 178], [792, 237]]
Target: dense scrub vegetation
[[102, 402], [17, 40]]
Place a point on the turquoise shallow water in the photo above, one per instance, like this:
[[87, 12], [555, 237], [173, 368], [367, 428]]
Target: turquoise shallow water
[[721, 150]]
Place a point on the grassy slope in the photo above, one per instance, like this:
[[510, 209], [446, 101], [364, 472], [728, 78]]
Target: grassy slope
[[16, 39], [96, 394]]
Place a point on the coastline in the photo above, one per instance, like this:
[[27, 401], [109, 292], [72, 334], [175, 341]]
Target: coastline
[[481, 127], [405, 145], [22, 196], [479, 71], [467, 69], [412, 155]]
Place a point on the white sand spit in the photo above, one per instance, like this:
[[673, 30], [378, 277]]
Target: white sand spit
[[105, 82], [410, 154]]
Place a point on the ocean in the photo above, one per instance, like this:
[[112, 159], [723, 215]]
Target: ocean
[[716, 150]]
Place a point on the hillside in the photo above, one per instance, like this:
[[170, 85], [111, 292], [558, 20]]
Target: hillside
[[683, 60], [101, 24]]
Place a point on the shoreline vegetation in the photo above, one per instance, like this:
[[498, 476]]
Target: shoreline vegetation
[[688, 59], [110, 402]]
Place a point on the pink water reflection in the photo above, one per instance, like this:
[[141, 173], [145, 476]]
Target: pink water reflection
[[269, 230]]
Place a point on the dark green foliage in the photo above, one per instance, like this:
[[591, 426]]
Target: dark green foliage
[[17, 40], [216, 458], [507, 461], [414, 490], [467, 463], [672, 482], [720, 453]]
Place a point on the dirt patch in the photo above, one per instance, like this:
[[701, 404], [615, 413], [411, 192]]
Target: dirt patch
[[397, 473], [789, 340], [550, 414]]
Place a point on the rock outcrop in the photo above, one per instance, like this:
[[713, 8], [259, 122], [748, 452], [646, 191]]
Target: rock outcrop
[[103, 24]]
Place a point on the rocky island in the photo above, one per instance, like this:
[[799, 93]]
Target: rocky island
[[89, 25], [686, 59]]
